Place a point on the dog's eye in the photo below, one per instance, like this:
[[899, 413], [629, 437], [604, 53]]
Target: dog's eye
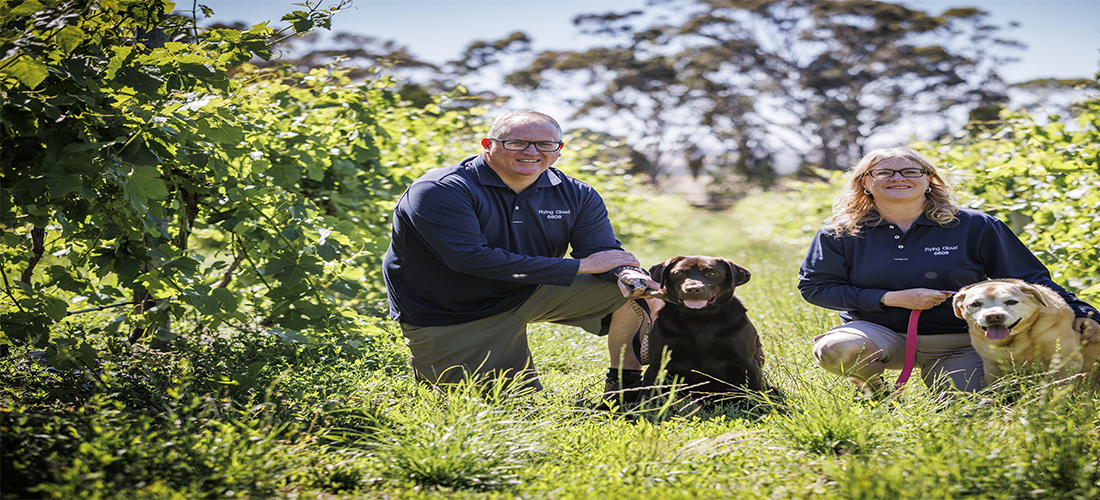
[[678, 272], [712, 273], [1011, 302], [976, 304]]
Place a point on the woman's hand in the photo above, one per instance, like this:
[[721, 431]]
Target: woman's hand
[[920, 299]]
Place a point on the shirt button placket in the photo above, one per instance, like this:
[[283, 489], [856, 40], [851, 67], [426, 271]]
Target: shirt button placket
[[517, 217], [899, 250]]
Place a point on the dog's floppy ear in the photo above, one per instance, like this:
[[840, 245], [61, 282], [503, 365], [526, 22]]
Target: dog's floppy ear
[[738, 275], [659, 272], [656, 273], [959, 303], [1034, 292], [960, 300]]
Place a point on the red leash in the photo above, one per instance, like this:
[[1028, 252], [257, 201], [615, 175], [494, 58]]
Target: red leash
[[910, 350]]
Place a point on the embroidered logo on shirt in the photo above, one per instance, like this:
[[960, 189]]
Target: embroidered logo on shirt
[[554, 214], [940, 250]]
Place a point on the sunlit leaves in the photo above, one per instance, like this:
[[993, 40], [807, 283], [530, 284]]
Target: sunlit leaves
[[69, 38], [27, 8], [24, 326], [214, 304], [304, 21], [144, 184], [292, 269], [257, 198], [28, 71], [120, 54], [1044, 180], [345, 287]]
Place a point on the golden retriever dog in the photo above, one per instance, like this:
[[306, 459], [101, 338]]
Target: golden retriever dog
[[1020, 327]]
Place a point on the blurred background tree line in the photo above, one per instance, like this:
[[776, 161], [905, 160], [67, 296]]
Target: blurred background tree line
[[748, 90]]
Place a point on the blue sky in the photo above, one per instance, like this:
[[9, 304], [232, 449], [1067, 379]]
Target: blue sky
[[1063, 36]]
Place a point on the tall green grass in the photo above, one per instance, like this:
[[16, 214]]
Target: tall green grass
[[255, 416]]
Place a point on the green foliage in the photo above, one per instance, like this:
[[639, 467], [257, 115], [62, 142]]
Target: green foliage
[[832, 424], [175, 176], [1042, 179], [638, 214], [206, 192], [237, 413], [792, 211], [473, 442], [324, 420], [1036, 448], [194, 448]]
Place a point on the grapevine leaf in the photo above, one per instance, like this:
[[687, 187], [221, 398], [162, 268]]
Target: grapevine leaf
[[144, 184], [27, 8], [70, 354], [291, 233], [299, 20], [227, 300], [69, 38], [144, 80], [27, 70], [211, 302], [328, 251], [292, 271], [63, 277], [55, 308], [116, 62], [345, 287], [24, 326]]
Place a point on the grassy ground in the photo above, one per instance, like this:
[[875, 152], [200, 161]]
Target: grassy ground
[[260, 416]]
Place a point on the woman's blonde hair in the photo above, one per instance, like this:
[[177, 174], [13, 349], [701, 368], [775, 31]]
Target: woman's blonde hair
[[854, 209]]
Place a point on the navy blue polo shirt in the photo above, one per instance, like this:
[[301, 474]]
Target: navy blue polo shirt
[[465, 246], [852, 273]]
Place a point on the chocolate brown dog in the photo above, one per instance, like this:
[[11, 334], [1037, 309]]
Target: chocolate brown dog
[[713, 346]]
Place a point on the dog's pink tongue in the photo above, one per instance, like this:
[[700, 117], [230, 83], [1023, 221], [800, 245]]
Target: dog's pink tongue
[[695, 304], [996, 332]]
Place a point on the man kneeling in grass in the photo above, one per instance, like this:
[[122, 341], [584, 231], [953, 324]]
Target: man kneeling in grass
[[478, 253]]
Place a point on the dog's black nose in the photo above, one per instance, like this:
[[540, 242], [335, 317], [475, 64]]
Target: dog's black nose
[[693, 285]]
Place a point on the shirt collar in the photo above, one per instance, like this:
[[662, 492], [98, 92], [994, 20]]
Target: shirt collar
[[923, 220], [488, 177]]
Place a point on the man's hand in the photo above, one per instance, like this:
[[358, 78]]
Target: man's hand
[[602, 262], [634, 283], [1087, 327]]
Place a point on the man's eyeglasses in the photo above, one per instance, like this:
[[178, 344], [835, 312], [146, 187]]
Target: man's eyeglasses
[[886, 173], [543, 146]]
